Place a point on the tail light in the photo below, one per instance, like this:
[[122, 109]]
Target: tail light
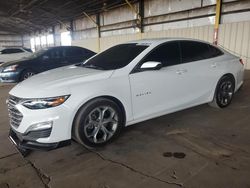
[[241, 61]]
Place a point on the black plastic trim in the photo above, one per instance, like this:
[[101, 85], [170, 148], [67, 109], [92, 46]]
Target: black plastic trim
[[34, 145]]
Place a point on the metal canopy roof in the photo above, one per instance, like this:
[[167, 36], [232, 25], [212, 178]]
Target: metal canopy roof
[[26, 16]]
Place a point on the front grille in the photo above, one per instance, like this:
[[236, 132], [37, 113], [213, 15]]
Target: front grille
[[14, 115]]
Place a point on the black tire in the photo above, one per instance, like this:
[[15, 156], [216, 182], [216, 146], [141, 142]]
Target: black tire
[[82, 130], [26, 74], [224, 92]]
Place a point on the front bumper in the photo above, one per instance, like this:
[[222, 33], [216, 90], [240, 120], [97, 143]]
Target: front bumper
[[19, 141], [54, 128], [9, 77]]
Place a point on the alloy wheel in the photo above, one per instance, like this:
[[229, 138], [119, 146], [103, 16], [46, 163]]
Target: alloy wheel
[[225, 92], [101, 124], [27, 75]]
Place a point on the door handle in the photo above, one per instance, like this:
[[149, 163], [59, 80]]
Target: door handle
[[181, 71], [213, 65]]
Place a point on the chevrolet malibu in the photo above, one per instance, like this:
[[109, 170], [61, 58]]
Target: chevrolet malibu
[[92, 102]]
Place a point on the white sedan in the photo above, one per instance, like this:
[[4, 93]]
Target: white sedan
[[13, 54], [128, 83]]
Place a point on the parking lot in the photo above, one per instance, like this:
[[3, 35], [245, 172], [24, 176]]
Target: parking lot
[[198, 147]]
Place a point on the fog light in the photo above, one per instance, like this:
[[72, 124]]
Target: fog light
[[40, 126]]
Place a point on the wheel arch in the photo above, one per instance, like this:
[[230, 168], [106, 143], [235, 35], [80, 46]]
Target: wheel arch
[[231, 75], [23, 71], [114, 99]]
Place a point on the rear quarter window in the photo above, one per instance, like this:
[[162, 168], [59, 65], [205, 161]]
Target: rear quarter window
[[214, 52]]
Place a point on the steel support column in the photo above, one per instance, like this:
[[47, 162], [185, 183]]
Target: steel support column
[[98, 30], [138, 15], [141, 13], [217, 20], [97, 24], [71, 28]]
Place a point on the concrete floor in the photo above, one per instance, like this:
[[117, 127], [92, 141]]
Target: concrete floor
[[216, 144]]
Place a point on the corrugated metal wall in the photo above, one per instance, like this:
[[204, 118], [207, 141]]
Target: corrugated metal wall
[[10, 40], [234, 37], [165, 18]]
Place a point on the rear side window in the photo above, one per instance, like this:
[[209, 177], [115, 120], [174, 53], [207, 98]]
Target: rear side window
[[74, 52], [168, 54], [12, 51], [55, 53], [78, 52], [88, 53], [194, 51]]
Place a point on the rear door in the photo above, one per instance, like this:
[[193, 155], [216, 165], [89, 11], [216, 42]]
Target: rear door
[[74, 55], [200, 69], [53, 58]]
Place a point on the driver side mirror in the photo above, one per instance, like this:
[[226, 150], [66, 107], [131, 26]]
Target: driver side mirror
[[151, 65]]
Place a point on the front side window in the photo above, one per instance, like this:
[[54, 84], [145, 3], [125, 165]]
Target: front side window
[[116, 57], [168, 54]]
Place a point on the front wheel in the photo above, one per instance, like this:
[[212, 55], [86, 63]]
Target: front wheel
[[98, 122], [224, 92], [27, 74]]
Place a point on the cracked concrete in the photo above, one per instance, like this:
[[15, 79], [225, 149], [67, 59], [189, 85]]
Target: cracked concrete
[[136, 171], [45, 179], [216, 143]]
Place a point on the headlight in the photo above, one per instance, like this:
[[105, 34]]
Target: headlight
[[45, 102], [10, 68]]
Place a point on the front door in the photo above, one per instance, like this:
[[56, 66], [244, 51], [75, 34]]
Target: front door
[[158, 91]]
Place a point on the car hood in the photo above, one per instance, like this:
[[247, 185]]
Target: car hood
[[17, 62], [57, 81]]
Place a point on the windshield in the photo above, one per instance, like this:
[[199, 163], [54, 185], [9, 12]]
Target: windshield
[[115, 57]]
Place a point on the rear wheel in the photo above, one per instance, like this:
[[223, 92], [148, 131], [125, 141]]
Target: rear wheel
[[98, 122], [224, 92]]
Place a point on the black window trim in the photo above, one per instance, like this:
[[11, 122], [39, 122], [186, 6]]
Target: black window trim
[[217, 48], [137, 69], [208, 44]]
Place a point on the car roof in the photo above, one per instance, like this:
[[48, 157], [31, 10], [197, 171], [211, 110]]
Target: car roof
[[65, 47], [12, 47], [162, 40]]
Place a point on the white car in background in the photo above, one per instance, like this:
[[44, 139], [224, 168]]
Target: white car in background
[[13, 53], [128, 83]]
